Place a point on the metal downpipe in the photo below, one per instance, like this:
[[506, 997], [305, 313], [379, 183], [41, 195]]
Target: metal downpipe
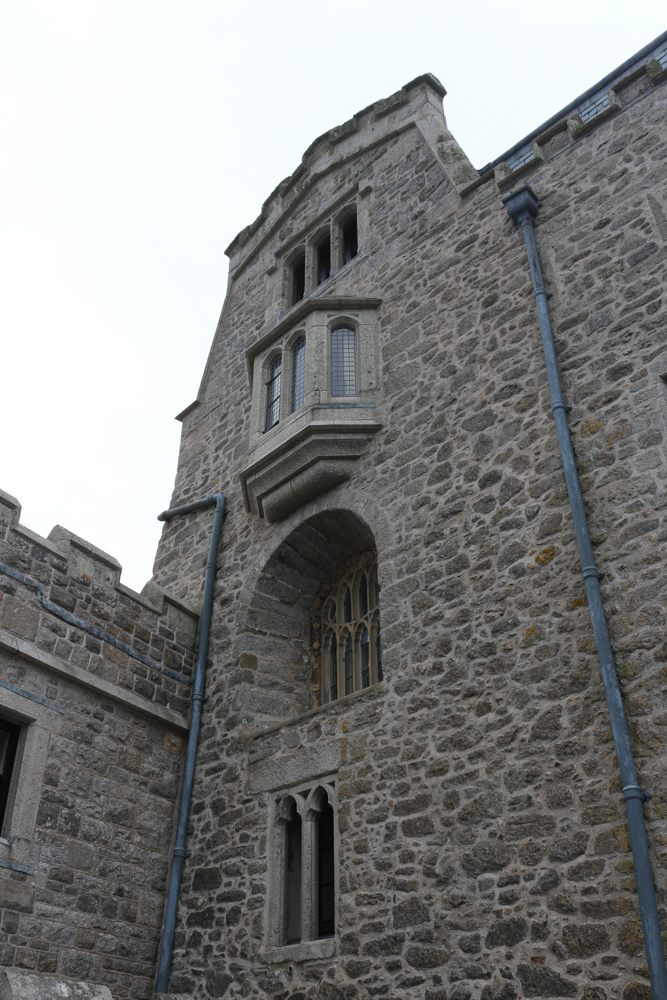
[[179, 852], [522, 206]]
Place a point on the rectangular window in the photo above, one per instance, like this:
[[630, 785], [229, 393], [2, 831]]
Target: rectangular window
[[9, 741], [343, 362]]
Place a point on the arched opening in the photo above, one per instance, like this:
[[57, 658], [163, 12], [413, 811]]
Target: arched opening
[[291, 657]]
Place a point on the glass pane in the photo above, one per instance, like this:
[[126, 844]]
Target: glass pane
[[273, 394], [363, 596], [365, 650], [298, 373], [333, 670], [347, 605], [343, 362], [349, 667], [378, 652], [326, 918]]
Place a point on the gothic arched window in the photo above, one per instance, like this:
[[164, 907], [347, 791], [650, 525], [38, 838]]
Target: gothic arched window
[[352, 657]]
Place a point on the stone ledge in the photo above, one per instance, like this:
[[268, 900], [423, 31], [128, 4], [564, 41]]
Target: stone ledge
[[300, 952], [23, 986], [130, 701]]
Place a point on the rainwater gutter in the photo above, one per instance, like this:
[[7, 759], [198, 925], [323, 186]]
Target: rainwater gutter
[[180, 853], [522, 207]]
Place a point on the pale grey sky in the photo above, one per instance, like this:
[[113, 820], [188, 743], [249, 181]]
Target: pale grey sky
[[139, 136]]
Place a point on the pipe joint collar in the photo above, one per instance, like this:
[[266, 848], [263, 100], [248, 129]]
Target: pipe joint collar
[[591, 573], [635, 792]]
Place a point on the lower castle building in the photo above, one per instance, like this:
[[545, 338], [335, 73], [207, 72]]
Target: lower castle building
[[411, 778]]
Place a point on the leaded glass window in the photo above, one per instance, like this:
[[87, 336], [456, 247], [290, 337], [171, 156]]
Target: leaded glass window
[[273, 393], [352, 657], [343, 362], [298, 373]]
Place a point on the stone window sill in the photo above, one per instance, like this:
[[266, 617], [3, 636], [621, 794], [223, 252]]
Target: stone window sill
[[302, 952]]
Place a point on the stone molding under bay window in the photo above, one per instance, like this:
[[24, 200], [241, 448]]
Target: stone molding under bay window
[[314, 447]]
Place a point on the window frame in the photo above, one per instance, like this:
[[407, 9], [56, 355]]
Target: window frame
[[269, 380], [338, 628], [307, 800], [347, 326]]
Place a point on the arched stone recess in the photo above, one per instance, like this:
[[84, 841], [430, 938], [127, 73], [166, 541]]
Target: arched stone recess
[[280, 677]]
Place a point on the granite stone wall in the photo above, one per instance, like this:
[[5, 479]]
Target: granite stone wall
[[84, 850], [483, 849]]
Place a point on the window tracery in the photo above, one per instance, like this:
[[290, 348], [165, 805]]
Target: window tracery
[[350, 630]]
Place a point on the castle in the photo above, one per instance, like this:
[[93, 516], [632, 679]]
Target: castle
[[410, 778]]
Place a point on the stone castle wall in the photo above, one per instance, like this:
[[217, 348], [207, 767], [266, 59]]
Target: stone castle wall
[[483, 845], [84, 847]]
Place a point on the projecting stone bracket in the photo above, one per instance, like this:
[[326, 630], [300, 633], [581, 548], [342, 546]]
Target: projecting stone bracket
[[321, 456]]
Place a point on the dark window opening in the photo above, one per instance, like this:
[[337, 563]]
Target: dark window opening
[[363, 596], [333, 670], [350, 244], [348, 663], [298, 373], [378, 653], [326, 897], [323, 260], [365, 651], [273, 393], [347, 605], [9, 741], [293, 881], [298, 280]]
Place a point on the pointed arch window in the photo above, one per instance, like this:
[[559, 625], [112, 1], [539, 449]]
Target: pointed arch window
[[303, 866], [273, 392], [352, 658]]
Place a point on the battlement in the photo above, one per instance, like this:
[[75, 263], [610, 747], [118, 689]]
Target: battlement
[[418, 103], [62, 604]]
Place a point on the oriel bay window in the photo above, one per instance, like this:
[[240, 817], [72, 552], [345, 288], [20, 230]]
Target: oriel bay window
[[351, 650]]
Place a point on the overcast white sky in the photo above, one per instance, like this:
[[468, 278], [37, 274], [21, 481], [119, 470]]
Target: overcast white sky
[[139, 136]]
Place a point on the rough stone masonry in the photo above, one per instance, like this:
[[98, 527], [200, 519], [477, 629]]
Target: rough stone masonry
[[480, 841]]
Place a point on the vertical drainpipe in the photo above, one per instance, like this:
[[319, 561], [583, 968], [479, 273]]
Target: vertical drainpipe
[[522, 207], [180, 853]]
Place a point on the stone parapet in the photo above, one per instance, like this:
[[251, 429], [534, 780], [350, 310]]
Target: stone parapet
[[143, 643]]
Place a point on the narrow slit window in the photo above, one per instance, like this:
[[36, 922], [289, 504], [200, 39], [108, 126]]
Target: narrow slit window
[[323, 260], [343, 362], [298, 373], [298, 279], [326, 895], [348, 660], [273, 393], [9, 741], [350, 242], [293, 881], [365, 658]]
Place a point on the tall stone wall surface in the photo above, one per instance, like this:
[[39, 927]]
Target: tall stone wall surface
[[483, 848], [84, 850]]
